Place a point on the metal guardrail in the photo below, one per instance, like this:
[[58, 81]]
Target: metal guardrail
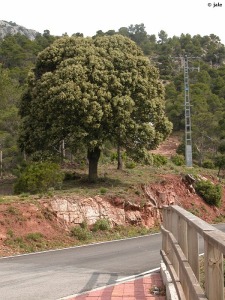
[[180, 253]]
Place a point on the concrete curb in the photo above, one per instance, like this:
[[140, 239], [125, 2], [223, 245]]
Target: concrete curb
[[171, 293]]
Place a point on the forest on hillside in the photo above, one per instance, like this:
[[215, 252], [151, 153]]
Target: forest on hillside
[[18, 56]]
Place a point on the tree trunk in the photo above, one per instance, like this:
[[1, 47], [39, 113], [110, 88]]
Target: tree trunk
[[218, 175], [119, 158], [62, 150], [1, 168], [93, 158]]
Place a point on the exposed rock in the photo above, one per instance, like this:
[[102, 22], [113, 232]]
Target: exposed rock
[[131, 206], [12, 28], [166, 198], [189, 180], [74, 210], [77, 210], [151, 216], [200, 177], [134, 217], [150, 195], [3, 236], [118, 202]]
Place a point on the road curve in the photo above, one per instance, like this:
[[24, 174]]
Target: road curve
[[54, 274]]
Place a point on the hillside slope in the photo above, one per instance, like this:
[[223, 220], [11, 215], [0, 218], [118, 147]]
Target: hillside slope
[[33, 223]]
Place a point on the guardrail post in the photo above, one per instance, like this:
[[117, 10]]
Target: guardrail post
[[182, 236], [214, 278], [174, 224], [165, 245], [193, 251]]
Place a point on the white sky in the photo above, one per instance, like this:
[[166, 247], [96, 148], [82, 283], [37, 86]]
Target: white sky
[[88, 16]]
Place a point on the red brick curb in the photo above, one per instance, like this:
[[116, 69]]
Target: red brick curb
[[148, 287]]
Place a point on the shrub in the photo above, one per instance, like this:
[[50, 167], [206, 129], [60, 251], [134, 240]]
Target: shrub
[[130, 164], [178, 160], [103, 191], [208, 164], [221, 147], [220, 162], [114, 156], [181, 149], [71, 176], [68, 176], [159, 160], [12, 210], [101, 224], [39, 177], [211, 193], [82, 234], [34, 236]]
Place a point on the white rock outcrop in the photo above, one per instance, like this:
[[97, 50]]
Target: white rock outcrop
[[12, 28]]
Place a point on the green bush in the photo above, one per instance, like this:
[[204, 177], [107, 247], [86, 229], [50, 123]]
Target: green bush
[[211, 193], [39, 177], [130, 164], [159, 160], [221, 147], [103, 191], [71, 176], [101, 224], [178, 160], [81, 233], [220, 162], [114, 156], [208, 164], [181, 149], [34, 236]]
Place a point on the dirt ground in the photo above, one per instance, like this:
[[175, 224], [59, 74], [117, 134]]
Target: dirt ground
[[186, 198]]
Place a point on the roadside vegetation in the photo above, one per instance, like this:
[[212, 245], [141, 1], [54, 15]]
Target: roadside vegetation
[[78, 235], [125, 184], [37, 179]]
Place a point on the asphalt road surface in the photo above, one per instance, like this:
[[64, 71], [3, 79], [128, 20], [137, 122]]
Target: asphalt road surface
[[55, 274]]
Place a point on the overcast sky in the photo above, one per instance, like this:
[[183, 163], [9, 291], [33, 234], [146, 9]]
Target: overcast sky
[[88, 16]]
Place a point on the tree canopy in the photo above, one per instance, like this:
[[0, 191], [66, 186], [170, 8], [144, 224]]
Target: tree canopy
[[87, 91]]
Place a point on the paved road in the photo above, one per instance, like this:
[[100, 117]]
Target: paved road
[[55, 274]]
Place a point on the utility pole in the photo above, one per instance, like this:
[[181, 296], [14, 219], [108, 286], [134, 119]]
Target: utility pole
[[187, 108], [1, 171]]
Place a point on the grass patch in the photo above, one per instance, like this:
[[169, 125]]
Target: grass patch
[[219, 219], [34, 236], [101, 231], [25, 244], [194, 210], [12, 210]]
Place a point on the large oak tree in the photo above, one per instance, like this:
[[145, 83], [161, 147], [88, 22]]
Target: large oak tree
[[90, 90]]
